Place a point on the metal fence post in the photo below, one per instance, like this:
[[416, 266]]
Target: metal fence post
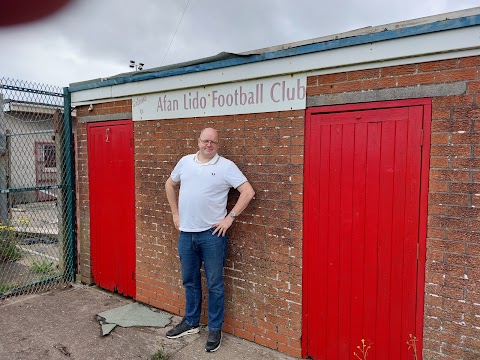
[[69, 190]]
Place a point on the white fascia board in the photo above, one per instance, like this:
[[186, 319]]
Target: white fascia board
[[420, 48]]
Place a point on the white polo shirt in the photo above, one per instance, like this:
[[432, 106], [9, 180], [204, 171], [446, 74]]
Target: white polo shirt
[[204, 190]]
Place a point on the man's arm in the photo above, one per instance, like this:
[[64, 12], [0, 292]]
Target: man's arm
[[246, 195], [172, 200]]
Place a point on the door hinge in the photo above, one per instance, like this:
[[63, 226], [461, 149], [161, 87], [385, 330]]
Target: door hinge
[[133, 275], [418, 251], [421, 138]]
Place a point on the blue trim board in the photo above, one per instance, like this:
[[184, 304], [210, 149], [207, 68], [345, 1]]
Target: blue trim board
[[448, 24]]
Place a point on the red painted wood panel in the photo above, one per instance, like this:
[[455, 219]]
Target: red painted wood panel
[[363, 190], [112, 207]]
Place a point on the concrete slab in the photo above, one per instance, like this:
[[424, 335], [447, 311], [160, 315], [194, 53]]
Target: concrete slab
[[62, 324], [36, 218]]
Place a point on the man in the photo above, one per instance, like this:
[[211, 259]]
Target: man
[[205, 179]]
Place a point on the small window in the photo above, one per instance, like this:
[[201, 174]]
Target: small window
[[49, 156]]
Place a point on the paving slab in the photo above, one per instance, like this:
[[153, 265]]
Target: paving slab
[[62, 324]]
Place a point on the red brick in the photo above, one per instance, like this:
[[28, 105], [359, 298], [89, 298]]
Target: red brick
[[398, 70], [473, 249], [441, 114], [466, 236], [312, 80], [436, 233], [456, 75], [452, 101], [437, 65], [446, 245], [440, 138], [438, 186], [363, 74], [439, 162], [450, 175], [290, 350], [332, 78], [458, 125], [466, 112], [467, 188], [414, 80], [473, 87], [383, 83], [471, 61]]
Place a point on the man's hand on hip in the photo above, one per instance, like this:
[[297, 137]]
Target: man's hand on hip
[[223, 226]]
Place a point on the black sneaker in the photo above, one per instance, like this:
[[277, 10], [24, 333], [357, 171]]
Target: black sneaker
[[182, 329], [213, 341]]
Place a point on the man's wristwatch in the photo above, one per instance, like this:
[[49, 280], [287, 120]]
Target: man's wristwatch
[[232, 215]]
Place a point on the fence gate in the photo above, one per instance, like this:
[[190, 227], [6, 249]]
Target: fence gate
[[37, 249]]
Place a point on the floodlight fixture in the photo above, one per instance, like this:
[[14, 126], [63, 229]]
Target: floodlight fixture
[[137, 67]]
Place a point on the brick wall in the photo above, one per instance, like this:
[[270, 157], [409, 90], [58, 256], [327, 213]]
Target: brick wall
[[263, 273], [264, 262], [452, 289], [263, 270]]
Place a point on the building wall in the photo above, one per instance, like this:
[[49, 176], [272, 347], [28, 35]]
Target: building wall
[[263, 272], [452, 286], [26, 129], [264, 264]]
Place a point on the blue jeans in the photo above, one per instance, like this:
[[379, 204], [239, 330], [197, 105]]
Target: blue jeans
[[195, 248]]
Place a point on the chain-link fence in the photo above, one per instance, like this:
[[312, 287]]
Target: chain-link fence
[[36, 196]]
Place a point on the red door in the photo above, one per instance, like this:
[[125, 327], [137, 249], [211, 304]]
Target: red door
[[366, 169], [112, 207]]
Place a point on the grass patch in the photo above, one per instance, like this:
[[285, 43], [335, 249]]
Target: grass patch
[[9, 250], [159, 355], [44, 267], [4, 287]]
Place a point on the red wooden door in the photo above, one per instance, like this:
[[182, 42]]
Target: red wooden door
[[112, 207], [366, 170]]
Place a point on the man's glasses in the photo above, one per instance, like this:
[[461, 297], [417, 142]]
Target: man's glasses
[[208, 142]]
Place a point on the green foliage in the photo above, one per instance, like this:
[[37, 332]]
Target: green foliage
[[159, 355], [9, 250], [44, 267], [4, 287]]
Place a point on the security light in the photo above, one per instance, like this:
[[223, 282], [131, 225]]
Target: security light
[[137, 67]]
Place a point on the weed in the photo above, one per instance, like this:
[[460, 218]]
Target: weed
[[4, 287], [43, 267], [363, 351], [412, 343], [8, 245], [23, 220], [159, 355]]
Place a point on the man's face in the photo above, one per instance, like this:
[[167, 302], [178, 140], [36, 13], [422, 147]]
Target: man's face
[[208, 144]]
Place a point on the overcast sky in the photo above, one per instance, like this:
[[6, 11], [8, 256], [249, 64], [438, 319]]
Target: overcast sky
[[97, 38]]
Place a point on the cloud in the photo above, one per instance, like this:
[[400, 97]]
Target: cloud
[[92, 39]]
